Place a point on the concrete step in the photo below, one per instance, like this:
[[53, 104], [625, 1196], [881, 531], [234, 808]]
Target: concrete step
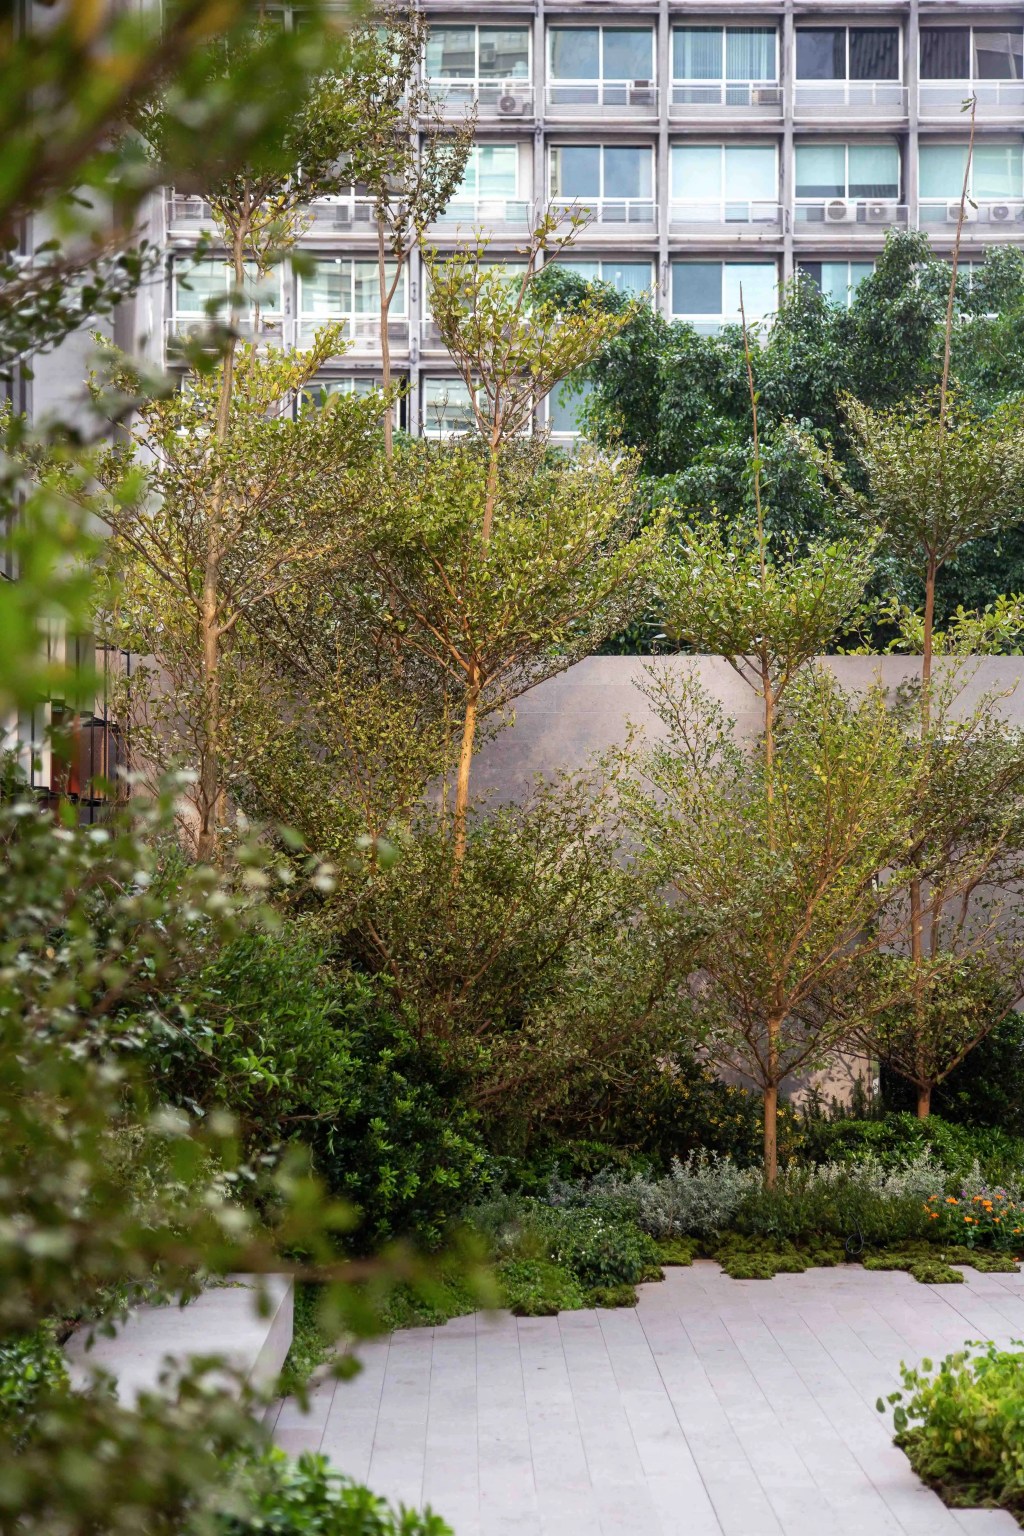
[[224, 1321]]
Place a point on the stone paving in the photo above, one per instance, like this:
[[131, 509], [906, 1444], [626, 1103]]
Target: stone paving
[[717, 1407]]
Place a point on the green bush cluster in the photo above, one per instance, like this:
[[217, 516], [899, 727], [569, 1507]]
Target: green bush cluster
[[299, 1052], [960, 1423], [897, 1137], [279, 1497], [32, 1368]]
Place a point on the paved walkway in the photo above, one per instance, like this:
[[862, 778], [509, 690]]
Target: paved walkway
[[717, 1408]]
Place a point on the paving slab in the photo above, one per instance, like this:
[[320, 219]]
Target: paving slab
[[716, 1407]]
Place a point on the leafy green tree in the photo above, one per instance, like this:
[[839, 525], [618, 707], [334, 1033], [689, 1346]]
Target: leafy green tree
[[513, 346]]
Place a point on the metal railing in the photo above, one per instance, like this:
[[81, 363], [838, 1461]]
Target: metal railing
[[492, 98], [362, 332], [943, 99], [609, 212], [274, 330], [337, 214], [995, 213], [870, 98], [849, 214], [638, 98], [756, 97], [762, 217], [489, 212]]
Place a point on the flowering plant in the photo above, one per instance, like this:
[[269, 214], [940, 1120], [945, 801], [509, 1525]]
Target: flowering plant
[[989, 1218]]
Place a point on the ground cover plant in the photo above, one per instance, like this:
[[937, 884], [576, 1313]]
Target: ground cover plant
[[959, 1422]]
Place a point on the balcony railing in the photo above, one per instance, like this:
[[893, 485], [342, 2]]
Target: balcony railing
[[487, 213], [997, 214], [331, 215], [631, 98], [272, 330], [855, 217], [190, 214], [854, 98], [713, 325], [492, 98], [762, 219], [942, 100], [755, 98], [609, 213], [362, 332]]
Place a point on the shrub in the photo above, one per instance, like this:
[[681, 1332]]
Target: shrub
[[297, 1052], [978, 1216], [895, 1138], [698, 1197], [305, 1498], [598, 1249], [985, 1090], [538, 1288], [32, 1368], [961, 1425]]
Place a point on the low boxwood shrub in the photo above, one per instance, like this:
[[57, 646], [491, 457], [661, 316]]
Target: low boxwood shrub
[[962, 1427], [280, 1497]]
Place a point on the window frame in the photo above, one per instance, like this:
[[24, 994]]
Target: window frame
[[1017, 196], [725, 202], [724, 317], [846, 28], [434, 81], [724, 78], [970, 27], [810, 199], [602, 197], [602, 79]]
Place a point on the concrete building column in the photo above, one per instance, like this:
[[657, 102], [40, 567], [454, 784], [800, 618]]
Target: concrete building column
[[663, 185], [787, 64]]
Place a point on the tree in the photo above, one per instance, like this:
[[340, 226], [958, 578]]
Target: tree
[[408, 155], [513, 346], [562, 565], [279, 492], [773, 868]]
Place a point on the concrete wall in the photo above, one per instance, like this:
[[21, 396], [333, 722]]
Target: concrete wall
[[563, 723]]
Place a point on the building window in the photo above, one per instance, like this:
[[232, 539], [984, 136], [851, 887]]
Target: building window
[[848, 53], [566, 405], [996, 173], [601, 66], [630, 278], [491, 177], [478, 53], [447, 408], [847, 171], [201, 289], [725, 183], [617, 180], [338, 288], [725, 66], [315, 395], [838, 281], [707, 294], [972, 53]]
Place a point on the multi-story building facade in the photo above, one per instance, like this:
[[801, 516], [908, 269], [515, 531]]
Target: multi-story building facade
[[717, 146]]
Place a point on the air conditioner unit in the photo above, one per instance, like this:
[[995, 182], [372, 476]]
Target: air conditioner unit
[[764, 96], [641, 93], [1002, 213], [879, 213], [341, 215], [840, 211], [511, 105], [953, 213]]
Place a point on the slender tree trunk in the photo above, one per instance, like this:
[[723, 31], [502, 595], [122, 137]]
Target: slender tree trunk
[[916, 889], [771, 1106], [924, 1101], [490, 494], [461, 811], [385, 340], [212, 797]]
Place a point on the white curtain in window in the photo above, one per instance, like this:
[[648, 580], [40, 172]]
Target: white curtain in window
[[820, 170], [997, 170], [697, 173], [750, 53], [942, 169], [697, 53], [874, 170], [759, 282], [750, 173]]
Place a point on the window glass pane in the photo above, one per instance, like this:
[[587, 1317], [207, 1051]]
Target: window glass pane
[[859, 270], [628, 171], [576, 170], [446, 406], [697, 53], [813, 270], [945, 53], [758, 281], [997, 170], [367, 289], [565, 406], [874, 170], [697, 172], [451, 53], [697, 288], [498, 169], [504, 53], [328, 289], [630, 277], [207, 281], [265, 291], [575, 53], [821, 170], [998, 55], [874, 53], [628, 55], [750, 53], [590, 271], [821, 53], [942, 169], [750, 172]]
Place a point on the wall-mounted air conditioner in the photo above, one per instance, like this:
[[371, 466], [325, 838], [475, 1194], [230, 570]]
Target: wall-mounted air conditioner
[[1001, 213], [641, 93], [511, 105], [953, 213], [880, 212], [839, 210]]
